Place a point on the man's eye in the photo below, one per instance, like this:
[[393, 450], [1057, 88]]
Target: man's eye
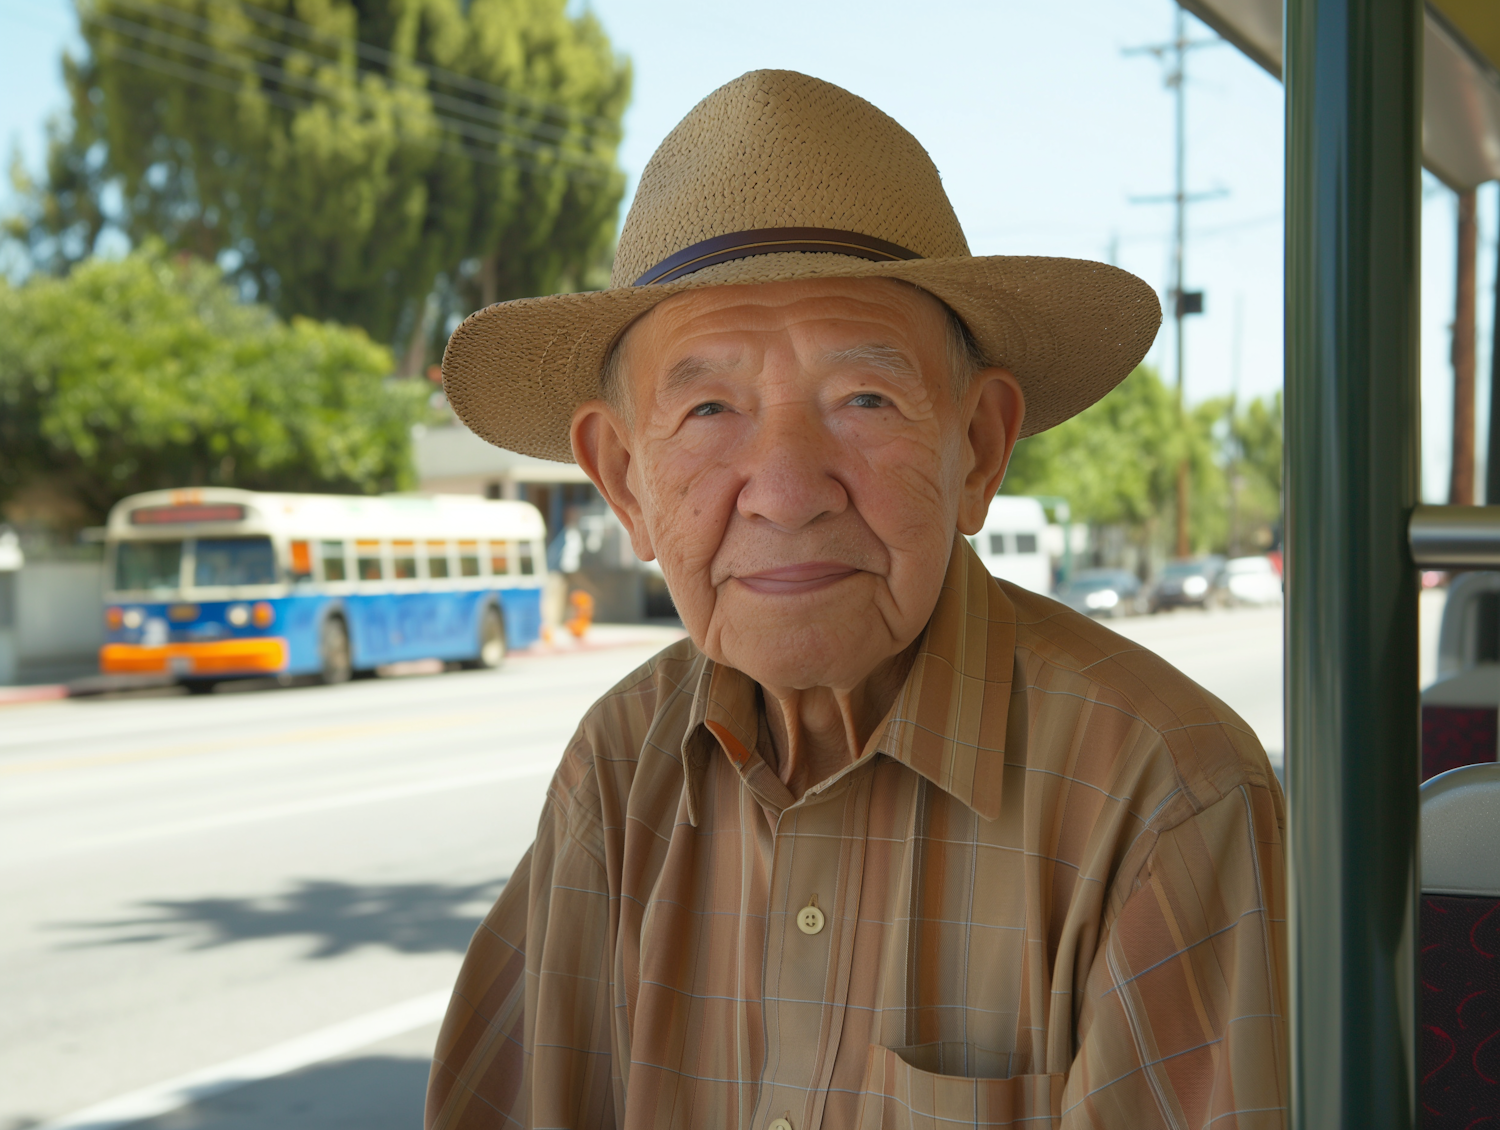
[[869, 400], [712, 408]]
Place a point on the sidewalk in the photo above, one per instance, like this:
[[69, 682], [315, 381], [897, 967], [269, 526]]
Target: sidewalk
[[600, 636], [45, 692]]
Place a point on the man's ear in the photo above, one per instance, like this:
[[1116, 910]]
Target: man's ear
[[997, 408], [601, 446]]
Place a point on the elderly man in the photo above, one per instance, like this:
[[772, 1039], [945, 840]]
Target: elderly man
[[887, 842]]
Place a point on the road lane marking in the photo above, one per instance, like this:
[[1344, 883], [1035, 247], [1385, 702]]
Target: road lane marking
[[280, 1059], [20, 857]]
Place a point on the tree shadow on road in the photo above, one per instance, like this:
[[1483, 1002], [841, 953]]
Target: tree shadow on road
[[371, 1092], [338, 917]]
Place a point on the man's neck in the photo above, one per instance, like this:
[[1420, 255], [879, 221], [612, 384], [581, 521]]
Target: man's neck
[[817, 731]]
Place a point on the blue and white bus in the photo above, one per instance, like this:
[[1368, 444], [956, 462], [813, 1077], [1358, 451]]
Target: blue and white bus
[[215, 583]]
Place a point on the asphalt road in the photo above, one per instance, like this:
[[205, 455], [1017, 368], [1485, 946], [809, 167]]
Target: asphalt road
[[185, 882], [245, 910]]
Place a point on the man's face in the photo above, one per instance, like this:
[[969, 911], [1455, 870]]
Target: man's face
[[795, 457]]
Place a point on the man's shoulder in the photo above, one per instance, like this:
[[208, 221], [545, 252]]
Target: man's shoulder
[[1147, 705], [646, 710]]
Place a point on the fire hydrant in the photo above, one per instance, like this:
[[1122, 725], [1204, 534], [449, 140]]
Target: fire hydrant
[[582, 605]]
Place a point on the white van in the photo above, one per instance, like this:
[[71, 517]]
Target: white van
[[1011, 544]]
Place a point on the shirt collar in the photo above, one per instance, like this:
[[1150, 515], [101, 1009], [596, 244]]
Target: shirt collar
[[949, 719]]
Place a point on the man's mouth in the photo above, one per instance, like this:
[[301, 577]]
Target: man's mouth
[[790, 579]]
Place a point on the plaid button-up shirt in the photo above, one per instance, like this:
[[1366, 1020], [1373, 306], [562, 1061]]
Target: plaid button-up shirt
[[1051, 894]]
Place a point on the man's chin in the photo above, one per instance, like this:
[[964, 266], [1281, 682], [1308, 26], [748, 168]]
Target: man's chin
[[835, 649]]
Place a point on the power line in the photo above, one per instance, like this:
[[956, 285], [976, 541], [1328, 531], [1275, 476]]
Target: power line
[[388, 58], [202, 77], [394, 64], [280, 74]]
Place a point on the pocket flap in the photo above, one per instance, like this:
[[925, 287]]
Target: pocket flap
[[901, 1096]]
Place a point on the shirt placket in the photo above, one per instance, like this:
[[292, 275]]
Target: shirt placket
[[818, 862]]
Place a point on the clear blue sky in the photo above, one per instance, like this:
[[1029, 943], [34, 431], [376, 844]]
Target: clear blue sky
[[1043, 130]]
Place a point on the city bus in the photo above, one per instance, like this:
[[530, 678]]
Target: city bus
[[211, 584]]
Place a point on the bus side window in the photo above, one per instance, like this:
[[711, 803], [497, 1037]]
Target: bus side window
[[499, 558], [368, 560], [404, 560], [528, 562], [301, 561], [468, 559], [997, 544], [332, 554], [437, 559], [1025, 543]]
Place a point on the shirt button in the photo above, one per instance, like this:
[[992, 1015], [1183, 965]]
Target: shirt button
[[781, 1123], [809, 921]]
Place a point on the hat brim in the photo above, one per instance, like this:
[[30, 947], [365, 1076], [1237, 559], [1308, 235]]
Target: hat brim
[[1069, 329]]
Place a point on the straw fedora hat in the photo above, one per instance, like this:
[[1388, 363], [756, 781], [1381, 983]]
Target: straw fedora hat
[[780, 176]]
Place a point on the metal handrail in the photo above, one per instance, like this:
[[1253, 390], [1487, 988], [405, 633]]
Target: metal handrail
[[1455, 537]]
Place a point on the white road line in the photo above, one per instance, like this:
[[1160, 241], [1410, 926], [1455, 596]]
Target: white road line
[[315, 1047], [21, 856]]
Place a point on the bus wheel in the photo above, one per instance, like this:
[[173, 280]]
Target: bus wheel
[[333, 649], [491, 641], [199, 686]]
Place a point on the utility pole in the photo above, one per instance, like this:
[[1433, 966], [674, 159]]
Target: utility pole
[[1235, 475], [1461, 481], [1184, 302], [1492, 459]]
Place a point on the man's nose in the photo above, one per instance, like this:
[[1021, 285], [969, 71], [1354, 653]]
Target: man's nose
[[789, 468]]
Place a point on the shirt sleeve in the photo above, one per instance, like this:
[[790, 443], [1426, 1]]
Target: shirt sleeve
[[526, 1039], [1183, 1020]]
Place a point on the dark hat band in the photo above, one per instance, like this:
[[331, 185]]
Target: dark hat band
[[771, 241]]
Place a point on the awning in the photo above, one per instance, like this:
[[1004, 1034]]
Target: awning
[[1460, 81]]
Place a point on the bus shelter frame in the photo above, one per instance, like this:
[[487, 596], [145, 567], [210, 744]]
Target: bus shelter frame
[[1353, 192]]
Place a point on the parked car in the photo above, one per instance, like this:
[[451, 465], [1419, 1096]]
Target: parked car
[[1253, 580], [1102, 592], [1190, 583]]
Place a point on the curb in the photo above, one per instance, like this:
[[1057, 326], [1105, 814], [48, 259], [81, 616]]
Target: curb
[[21, 696]]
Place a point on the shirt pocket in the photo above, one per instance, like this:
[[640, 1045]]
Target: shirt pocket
[[900, 1096]]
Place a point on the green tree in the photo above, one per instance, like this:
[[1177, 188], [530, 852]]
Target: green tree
[[341, 157], [149, 372], [1253, 464], [1116, 463]]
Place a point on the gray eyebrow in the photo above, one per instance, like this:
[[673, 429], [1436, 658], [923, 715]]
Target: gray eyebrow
[[887, 358], [688, 370]]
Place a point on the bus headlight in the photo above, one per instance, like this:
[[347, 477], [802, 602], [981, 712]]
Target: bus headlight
[[1195, 586], [238, 615], [1104, 598], [132, 618], [264, 615]]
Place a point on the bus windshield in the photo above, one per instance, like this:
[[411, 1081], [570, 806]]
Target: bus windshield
[[148, 565], [234, 561]]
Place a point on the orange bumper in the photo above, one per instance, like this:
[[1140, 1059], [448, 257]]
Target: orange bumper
[[263, 655]]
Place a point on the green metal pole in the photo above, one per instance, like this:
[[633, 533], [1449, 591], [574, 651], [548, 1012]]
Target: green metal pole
[[1353, 70]]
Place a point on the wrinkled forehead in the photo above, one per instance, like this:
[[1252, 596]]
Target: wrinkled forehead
[[889, 322]]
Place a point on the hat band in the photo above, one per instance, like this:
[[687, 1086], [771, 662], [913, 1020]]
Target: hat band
[[771, 241]]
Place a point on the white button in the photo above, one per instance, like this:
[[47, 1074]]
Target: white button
[[781, 1123], [809, 921]]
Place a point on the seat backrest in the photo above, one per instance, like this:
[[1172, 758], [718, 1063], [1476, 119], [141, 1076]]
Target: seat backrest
[[1470, 629], [1459, 720], [1460, 948]]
